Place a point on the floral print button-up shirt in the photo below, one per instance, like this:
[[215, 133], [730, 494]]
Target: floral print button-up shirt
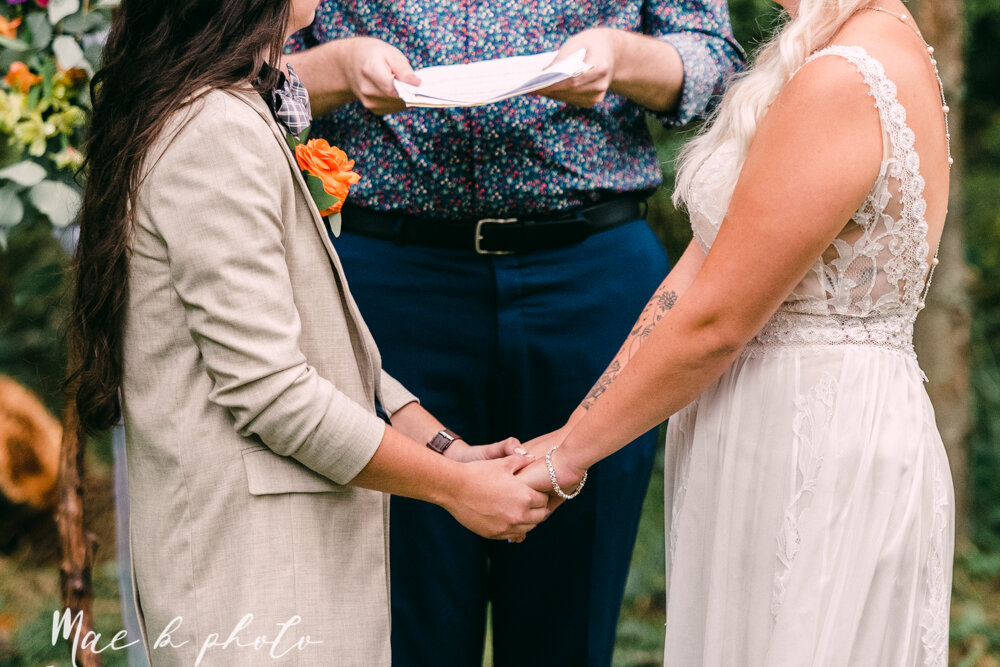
[[528, 154]]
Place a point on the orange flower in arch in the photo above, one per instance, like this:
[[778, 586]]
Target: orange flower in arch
[[20, 77], [8, 29], [330, 165]]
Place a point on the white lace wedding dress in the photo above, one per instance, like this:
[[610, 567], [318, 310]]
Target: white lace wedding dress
[[809, 502]]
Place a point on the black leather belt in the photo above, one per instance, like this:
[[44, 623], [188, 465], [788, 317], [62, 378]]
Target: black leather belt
[[496, 236]]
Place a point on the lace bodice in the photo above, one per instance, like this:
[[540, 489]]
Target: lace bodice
[[867, 287]]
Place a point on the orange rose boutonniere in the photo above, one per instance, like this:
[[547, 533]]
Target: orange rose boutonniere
[[328, 174]]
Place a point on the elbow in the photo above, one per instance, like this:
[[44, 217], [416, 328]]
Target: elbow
[[280, 409], [720, 339]]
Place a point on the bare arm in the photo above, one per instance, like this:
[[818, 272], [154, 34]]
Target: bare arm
[[811, 164], [656, 308], [420, 425], [663, 300], [484, 496]]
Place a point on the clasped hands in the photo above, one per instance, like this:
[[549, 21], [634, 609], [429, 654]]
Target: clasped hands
[[512, 484]]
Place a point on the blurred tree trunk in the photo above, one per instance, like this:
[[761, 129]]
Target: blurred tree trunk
[[942, 335], [76, 544]]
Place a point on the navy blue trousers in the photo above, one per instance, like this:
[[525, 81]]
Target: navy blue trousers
[[494, 347]]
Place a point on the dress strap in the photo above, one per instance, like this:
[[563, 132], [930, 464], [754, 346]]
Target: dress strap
[[892, 114], [898, 138]]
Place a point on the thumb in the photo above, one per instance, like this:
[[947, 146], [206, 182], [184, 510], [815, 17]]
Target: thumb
[[515, 462], [512, 446], [401, 69], [568, 47]]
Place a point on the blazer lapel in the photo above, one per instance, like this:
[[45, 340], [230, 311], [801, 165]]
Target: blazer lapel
[[368, 355], [255, 101]]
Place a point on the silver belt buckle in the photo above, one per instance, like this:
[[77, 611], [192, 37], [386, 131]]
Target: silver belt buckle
[[479, 235]]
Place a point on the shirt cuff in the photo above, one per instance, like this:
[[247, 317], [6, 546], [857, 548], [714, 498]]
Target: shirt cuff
[[707, 61]]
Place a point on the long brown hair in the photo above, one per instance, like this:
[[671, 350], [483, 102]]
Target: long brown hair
[[159, 55]]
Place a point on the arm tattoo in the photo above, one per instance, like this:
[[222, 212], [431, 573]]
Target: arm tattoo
[[662, 301], [602, 384]]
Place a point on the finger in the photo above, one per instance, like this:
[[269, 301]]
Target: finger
[[538, 500], [508, 447], [401, 69], [533, 517], [514, 463], [555, 89], [560, 54], [572, 83], [512, 446]]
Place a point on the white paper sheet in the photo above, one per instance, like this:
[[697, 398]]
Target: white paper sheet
[[489, 81]]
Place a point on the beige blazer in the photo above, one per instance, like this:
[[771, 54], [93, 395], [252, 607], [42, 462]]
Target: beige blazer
[[249, 401]]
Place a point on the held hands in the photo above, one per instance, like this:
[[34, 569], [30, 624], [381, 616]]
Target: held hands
[[590, 88], [537, 476], [370, 65], [462, 452], [493, 503], [508, 489]]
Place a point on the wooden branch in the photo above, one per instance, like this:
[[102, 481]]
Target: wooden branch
[[76, 545]]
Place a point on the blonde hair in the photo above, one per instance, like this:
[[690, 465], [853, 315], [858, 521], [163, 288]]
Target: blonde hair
[[749, 97]]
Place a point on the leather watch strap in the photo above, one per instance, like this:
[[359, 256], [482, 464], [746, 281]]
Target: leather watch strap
[[442, 440]]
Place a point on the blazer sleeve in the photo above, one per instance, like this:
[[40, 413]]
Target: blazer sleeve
[[394, 394], [214, 197]]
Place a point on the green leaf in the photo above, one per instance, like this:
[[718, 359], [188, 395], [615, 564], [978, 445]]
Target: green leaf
[[81, 23], [41, 30], [48, 74], [11, 208], [26, 173], [34, 95], [323, 199], [68, 52], [58, 201], [14, 44], [60, 9], [93, 54], [304, 134]]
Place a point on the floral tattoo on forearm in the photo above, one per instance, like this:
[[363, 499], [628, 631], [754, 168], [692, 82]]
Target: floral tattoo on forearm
[[662, 301]]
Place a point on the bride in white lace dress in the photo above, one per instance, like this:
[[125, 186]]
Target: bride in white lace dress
[[809, 500]]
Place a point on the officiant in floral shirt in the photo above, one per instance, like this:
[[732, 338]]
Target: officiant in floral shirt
[[499, 255]]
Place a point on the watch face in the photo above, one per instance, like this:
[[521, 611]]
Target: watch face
[[441, 441]]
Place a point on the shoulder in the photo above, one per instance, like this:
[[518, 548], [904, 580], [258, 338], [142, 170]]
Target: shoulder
[[220, 128], [831, 86], [826, 111], [888, 43]]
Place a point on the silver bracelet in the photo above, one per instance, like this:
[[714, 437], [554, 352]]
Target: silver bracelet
[[555, 485]]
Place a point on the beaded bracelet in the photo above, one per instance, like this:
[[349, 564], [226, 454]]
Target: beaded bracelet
[[555, 485]]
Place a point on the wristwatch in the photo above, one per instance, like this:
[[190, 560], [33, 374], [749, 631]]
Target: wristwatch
[[442, 440]]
